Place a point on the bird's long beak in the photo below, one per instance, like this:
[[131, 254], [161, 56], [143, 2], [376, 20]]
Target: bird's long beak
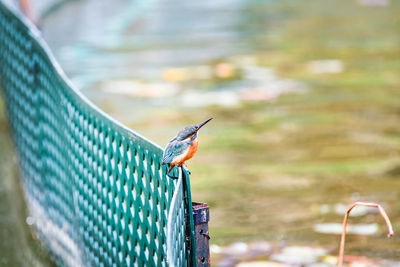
[[203, 123]]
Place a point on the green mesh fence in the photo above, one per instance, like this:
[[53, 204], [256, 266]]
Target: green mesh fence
[[96, 190], [176, 229]]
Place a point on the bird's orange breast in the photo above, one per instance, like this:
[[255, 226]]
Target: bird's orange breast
[[191, 151]]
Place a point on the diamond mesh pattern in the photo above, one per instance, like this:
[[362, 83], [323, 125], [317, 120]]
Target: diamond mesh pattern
[[97, 190]]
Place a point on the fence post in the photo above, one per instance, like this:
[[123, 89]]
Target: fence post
[[201, 216]]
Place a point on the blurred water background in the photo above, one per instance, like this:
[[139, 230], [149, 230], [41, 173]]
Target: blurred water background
[[305, 96]]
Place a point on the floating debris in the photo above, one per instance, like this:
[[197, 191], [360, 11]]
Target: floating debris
[[224, 70], [374, 2], [261, 264], [266, 84], [257, 73], [227, 262], [260, 248], [241, 252], [324, 209], [244, 60], [197, 72], [320, 264], [30, 220], [140, 89], [271, 90], [336, 228], [299, 255], [325, 66], [200, 99], [215, 249], [356, 211], [330, 260], [236, 249], [341, 209], [177, 75]]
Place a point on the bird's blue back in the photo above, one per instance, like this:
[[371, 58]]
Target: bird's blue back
[[173, 149]]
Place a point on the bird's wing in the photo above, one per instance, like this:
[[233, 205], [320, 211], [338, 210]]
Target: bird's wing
[[173, 149]]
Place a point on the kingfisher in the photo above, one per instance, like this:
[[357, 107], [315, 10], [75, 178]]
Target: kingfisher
[[182, 147]]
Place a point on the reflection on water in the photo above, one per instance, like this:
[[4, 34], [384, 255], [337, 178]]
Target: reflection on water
[[304, 95]]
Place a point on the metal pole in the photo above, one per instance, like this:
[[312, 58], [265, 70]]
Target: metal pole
[[201, 217]]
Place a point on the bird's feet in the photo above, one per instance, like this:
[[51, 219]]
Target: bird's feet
[[186, 168], [172, 177]]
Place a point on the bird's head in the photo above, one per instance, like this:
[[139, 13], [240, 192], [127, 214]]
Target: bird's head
[[190, 131]]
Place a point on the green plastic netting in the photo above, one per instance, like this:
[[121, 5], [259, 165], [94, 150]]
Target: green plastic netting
[[95, 189]]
